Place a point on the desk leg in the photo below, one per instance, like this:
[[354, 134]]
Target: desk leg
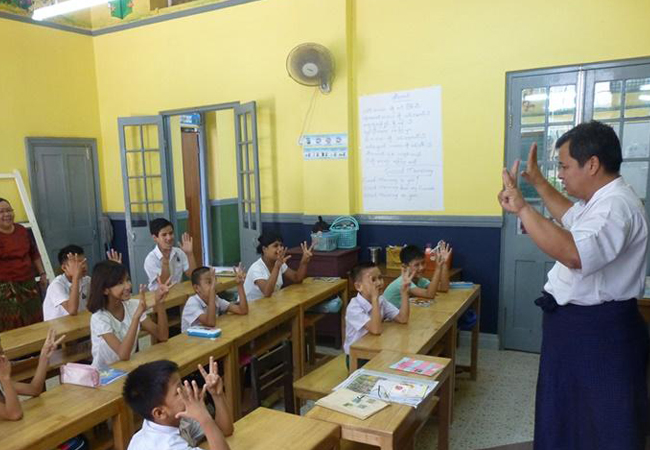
[[122, 426], [230, 378], [344, 307], [444, 413], [450, 350], [473, 371], [297, 344], [354, 365]]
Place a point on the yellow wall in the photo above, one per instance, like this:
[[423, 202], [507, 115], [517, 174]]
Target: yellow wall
[[47, 88]]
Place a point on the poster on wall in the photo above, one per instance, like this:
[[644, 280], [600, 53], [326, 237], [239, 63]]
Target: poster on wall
[[401, 150], [324, 146]]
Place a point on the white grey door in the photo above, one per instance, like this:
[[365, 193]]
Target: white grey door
[[146, 193], [64, 194], [541, 109], [248, 181]]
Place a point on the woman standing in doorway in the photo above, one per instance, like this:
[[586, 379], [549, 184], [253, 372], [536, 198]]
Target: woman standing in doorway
[[20, 264]]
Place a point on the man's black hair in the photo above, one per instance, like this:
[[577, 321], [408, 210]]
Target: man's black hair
[[594, 139]]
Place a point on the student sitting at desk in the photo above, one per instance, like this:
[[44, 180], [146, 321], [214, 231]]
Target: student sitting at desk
[[265, 276], [116, 319], [166, 261], [175, 416], [68, 292], [10, 408], [368, 309], [204, 307], [413, 259]]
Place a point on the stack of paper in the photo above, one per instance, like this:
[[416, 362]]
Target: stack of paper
[[416, 366], [349, 402]]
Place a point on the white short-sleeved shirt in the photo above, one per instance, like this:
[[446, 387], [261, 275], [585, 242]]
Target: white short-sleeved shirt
[[58, 292], [163, 437], [103, 322], [259, 271], [611, 234], [358, 315], [195, 306], [178, 263]]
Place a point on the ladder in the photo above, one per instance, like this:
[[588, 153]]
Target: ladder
[[31, 220]]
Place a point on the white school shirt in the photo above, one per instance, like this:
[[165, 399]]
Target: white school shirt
[[178, 263], [58, 292], [195, 306], [259, 271], [611, 234], [163, 437], [357, 315], [103, 322]]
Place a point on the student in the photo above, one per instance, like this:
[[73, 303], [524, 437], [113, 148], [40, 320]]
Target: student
[[116, 319], [175, 416], [265, 276], [165, 260], [68, 292], [204, 307], [10, 408], [367, 311], [413, 258]]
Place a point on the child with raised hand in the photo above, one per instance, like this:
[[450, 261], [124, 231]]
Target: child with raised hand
[[204, 307], [265, 276], [175, 416], [67, 294], [166, 261], [10, 408], [413, 259], [116, 319], [368, 310]]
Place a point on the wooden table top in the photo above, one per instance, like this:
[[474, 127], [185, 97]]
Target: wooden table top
[[310, 292], [268, 429], [56, 415], [455, 301], [395, 417], [25, 340]]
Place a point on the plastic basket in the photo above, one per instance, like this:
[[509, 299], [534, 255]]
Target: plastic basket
[[324, 241], [346, 227]]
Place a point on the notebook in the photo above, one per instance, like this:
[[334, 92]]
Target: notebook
[[204, 332], [351, 403], [416, 366], [109, 375]]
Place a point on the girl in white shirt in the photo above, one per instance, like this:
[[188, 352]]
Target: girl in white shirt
[[116, 319], [265, 276]]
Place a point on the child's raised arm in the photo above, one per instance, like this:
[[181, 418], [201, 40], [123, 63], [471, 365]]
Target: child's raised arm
[[186, 244], [123, 348], [76, 268], [195, 409], [301, 273], [374, 326], [214, 386], [159, 329], [209, 317], [444, 256], [35, 387], [405, 307], [10, 409], [242, 307], [268, 286]]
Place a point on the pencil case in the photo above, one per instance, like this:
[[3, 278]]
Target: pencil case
[[204, 332], [80, 374]]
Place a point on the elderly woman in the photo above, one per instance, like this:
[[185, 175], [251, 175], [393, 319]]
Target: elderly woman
[[20, 264]]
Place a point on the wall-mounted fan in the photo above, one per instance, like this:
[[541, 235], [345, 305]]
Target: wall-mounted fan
[[312, 65]]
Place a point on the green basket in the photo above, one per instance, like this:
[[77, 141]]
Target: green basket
[[346, 227]]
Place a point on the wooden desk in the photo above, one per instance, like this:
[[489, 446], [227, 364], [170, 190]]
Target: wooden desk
[[23, 341], [61, 414], [644, 308], [308, 294], [395, 427], [268, 429]]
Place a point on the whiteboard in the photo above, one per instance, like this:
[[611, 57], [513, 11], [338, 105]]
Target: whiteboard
[[401, 150]]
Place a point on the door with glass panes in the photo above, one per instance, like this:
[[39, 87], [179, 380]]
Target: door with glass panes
[[542, 105]]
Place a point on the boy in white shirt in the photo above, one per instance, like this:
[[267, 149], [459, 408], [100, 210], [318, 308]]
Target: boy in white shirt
[[367, 311], [165, 260], [204, 307], [175, 416], [68, 292]]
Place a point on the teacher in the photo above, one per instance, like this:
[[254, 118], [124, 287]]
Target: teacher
[[20, 263], [591, 390]]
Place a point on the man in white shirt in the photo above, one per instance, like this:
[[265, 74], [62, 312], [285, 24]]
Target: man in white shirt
[[591, 390], [165, 260], [68, 292]]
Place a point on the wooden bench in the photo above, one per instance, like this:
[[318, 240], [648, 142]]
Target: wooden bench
[[321, 381]]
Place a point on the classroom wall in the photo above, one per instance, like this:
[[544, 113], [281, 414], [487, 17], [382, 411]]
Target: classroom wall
[[47, 89]]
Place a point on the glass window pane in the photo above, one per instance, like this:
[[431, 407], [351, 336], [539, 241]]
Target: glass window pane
[[554, 133], [154, 190], [528, 137], [636, 140], [150, 136], [152, 163], [134, 164], [637, 97], [636, 175], [607, 100], [132, 137], [562, 103], [533, 106], [136, 190]]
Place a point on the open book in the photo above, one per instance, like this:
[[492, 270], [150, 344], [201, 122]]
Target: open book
[[351, 403]]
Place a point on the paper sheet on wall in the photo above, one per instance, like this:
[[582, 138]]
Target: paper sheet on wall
[[401, 150]]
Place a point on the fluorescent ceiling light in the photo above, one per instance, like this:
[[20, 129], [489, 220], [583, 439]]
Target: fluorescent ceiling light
[[535, 97], [645, 87], [64, 8], [644, 98]]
